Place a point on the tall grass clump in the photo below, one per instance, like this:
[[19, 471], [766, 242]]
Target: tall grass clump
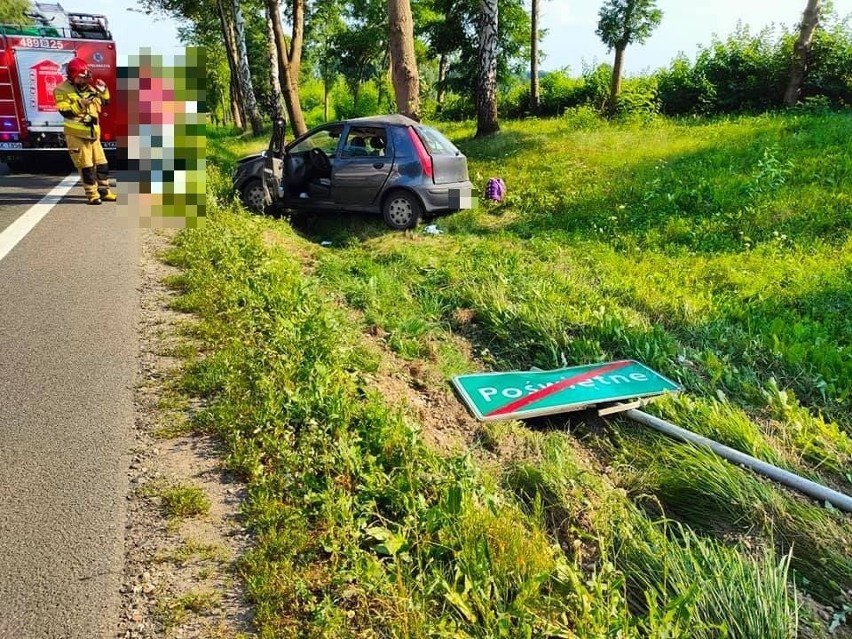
[[709, 493], [679, 583]]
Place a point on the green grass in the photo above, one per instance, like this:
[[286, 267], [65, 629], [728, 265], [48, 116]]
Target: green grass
[[716, 252], [192, 549], [181, 501], [176, 611]]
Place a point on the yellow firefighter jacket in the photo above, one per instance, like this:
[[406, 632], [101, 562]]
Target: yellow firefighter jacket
[[69, 103]]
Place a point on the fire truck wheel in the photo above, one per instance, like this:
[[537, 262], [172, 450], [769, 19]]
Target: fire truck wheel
[[19, 165]]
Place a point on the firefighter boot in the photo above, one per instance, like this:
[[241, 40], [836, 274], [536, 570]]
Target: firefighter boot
[[104, 191], [90, 185]]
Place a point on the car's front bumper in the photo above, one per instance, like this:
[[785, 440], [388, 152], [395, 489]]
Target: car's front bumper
[[448, 197]]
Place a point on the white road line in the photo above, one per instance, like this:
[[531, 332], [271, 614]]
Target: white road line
[[18, 229]]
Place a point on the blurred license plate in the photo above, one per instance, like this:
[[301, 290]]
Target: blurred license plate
[[461, 199], [11, 145]]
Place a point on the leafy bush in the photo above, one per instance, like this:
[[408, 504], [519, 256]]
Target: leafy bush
[[582, 117], [559, 92], [683, 89], [457, 108], [349, 105], [748, 71], [515, 99], [638, 98], [828, 71], [596, 85]]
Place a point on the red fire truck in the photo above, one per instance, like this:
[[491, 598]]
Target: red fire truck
[[32, 64]]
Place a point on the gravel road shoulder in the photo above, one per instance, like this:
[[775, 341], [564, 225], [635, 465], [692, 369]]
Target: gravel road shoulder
[[181, 558]]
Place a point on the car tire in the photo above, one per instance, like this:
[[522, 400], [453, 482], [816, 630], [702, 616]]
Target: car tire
[[253, 196], [402, 210]]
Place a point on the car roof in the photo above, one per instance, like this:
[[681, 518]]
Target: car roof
[[395, 118]]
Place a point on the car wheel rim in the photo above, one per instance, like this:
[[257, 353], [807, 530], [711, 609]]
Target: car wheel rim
[[400, 211], [254, 197]]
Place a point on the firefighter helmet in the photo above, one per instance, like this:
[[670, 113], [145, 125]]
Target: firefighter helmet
[[77, 67]]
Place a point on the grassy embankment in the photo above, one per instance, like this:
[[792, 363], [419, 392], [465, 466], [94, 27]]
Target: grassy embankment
[[717, 253]]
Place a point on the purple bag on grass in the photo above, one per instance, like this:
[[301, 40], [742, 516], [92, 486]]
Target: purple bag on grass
[[495, 190]]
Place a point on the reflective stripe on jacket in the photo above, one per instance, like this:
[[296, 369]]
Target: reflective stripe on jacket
[[69, 103]]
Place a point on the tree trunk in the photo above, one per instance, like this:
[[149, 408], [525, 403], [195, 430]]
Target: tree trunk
[[237, 104], [231, 54], [443, 65], [406, 80], [387, 62], [325, 102], [535, 96], [801, 52], [290, 83], [297, 38], [245, 72], [278, 111], [486, 93], [615, 87]]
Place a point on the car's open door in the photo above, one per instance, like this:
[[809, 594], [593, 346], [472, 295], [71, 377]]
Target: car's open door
[[273, 172]]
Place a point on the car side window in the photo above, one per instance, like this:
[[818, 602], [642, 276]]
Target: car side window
[[325, 139], [365, 142]]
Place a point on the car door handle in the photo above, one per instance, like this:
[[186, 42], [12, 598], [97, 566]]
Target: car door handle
[[378, 165]]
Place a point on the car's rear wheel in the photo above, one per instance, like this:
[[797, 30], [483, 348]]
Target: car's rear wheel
[[402, 210], [253, 195]]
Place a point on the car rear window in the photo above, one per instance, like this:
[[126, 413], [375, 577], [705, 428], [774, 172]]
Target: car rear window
[[435, 142]]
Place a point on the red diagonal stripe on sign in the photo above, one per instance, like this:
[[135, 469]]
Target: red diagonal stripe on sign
[[565, 383]]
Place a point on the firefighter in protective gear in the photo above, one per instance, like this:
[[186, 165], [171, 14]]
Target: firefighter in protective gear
[[80, 101]]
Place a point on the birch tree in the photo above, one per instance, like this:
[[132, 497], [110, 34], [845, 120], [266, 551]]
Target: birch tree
[[486, 86], [535, 95], [278, 110], [243, 71]]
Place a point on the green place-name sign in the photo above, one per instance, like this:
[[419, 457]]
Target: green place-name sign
[[521, 394]]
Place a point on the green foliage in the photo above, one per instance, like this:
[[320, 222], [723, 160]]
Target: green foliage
[[559, 91], [684, 89], [450, 28], [743, 72], [624, 22], [13, 12], [749, 72], [829, 63], [638, 99]]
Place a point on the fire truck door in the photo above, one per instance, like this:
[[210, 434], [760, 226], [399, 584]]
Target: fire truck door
[[40, 71]]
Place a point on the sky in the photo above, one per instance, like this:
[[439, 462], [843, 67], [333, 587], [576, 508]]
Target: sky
[[570, 40]]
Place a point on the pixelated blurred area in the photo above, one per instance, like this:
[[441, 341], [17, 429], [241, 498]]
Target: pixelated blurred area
[[162, 139]]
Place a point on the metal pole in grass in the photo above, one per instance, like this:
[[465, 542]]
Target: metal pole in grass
[[812, 489]]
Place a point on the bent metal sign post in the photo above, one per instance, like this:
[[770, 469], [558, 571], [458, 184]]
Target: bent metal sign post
[[524, 394]]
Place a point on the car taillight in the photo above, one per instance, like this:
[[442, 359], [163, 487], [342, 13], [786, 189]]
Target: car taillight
[[422, 154]]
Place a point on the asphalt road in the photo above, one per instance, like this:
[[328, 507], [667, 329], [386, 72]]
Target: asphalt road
[[68, 348]]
